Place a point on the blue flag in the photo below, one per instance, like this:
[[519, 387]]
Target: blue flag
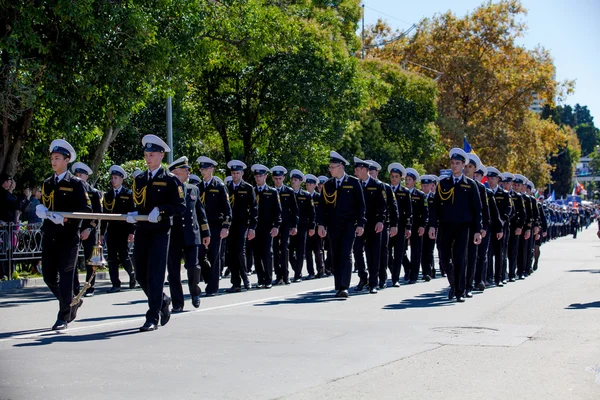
[[466, 146], [553, 197]]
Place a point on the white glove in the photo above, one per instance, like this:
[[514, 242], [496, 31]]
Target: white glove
[[130, 216], [56, 218], [153, 216], [41, 211]]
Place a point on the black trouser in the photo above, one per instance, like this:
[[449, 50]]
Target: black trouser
[[150, 251], [88, 248], [513, 253], [416, 248], [281, 255], [297, 250], [497, 257], [314, 245], [481, 266], [236, 254], [473, 250], [211, 276], [177, 249], [369, 244], [453, 250], [262, 248], [59, 256], [223, 255], [427, 259], [523, 254], [341, 241], [249, 256], [397, 250], [118, 253], [384, 257], [529, 256]]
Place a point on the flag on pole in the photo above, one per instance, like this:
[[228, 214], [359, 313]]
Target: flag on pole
[[466, 146], [553, 196]]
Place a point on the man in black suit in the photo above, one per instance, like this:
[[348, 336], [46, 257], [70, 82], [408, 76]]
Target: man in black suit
[[398, 242], [118, 200], [243, 225], [456, 212], [341, 217], [420, 219], [60, 241], [159, 195], [267, 227], [314, 243], [189, 231], [306, 225]]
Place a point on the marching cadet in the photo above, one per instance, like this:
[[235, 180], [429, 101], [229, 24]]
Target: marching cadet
[[538, 215], [194, 180], [306, 225], [524, 241], [517, 224], [495, 233], [119, 234], [369, 243], [267, 227], [390, 225], [88, 235], [244, 211], [398, 242], [497, 253], [428, 183], [327, 259], [472, 165], [159, 195], [543, 213], [420, 219], [322, 180], [314, 243], [60, 240], [189, 231], [341, 217], [456, 211], [215, 199], [289, 225]]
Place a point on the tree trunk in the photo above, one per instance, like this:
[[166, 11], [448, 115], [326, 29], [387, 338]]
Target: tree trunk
[[13, 143], [110, 133]]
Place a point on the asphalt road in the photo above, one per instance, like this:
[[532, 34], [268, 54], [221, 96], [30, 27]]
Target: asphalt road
[[534, 339]]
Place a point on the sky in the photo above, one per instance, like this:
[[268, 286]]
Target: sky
[[570, 30]]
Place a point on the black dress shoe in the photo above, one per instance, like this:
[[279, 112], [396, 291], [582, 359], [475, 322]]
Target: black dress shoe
[[74, 311], [481, 286], [247, 285], [260, 286], [426, 278], [469, 294], [382, 285], [499, 284], [196, 301], [177, 310], [165, 312], [296, 280], [309, 277], [233, 290], [412, 282], [450, 294], [443, 274], [59, 325], [114, 289], [268, 286], [148, 327], [360, 286], [207, 294], [373, 290], [396, 284], [460, 299], [320, 275], [512, 280], [342, 294], [89, 294], [279, 282], [288, 282]]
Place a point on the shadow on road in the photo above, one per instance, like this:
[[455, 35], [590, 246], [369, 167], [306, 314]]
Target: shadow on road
[[5, 335], [310, 297], [583, 306], [19, 297], [108, 318], [59, 337], [436, 299], [591, 271]]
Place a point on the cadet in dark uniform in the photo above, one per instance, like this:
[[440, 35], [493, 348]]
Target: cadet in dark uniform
[[428, 183], [118, 200], [289, 225], [420, 219], [314, 243], [390, 225], [326, 248], [267, 227], [60, 240], [517, 223], [398, 242], [244, 210], [497, 253], [369, 243], [159, 195], [456, 211], [524, 241], [472, 165], [189, 231], [341, 217], [306, 225], [537, 224], [88, 235], [215, 198]]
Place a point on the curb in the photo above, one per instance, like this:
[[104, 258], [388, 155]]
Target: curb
[[39, 282]]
